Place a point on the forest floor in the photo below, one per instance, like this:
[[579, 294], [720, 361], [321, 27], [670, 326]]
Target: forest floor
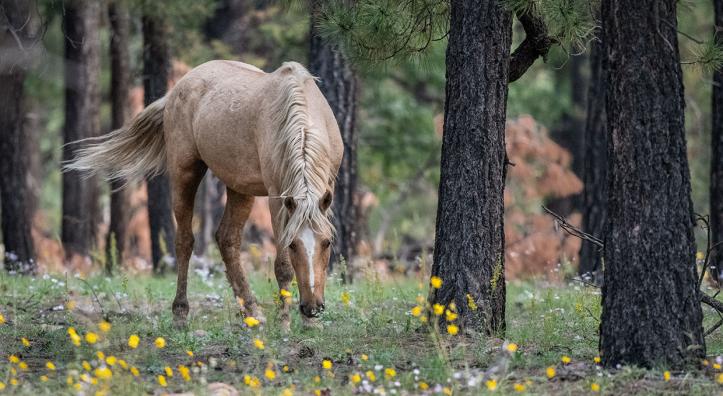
[[369, 343]]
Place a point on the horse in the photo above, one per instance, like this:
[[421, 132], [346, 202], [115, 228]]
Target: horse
[[262, 134]]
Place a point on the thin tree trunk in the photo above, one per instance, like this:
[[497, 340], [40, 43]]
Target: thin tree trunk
[[716, 168], [119, 89], [651, 313], [338, 82], [156, 67], [82, 120], [18, 31], [595, 165], [469, 239]]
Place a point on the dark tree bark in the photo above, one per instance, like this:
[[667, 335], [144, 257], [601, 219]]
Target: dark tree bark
[[18, 32], [156, 67], [651, 313], [338, 82], [119, 88], [594, 165], [228, 25], [469, 240], [82, 120], [716, 167]]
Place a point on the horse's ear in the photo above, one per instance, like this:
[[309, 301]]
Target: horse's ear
[[290, 204], [325, 201]]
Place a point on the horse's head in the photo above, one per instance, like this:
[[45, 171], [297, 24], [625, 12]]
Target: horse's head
[[309, 253]]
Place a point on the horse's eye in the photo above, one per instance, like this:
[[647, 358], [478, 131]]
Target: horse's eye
[[292, 246], [325, 244]]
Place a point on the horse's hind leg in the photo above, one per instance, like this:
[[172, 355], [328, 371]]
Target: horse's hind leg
[[185, 181], [228, 237]]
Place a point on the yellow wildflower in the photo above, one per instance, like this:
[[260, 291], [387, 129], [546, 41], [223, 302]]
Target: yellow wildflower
[[285, 369], [416, 311], [162, 381], [133, 341], [285, 293], [699, 256], [101, 355], [111, 360], [91, 338], [287, 392], [103, 373], [14, 381], [716, 366], [2, 321], [565, 359], [135, 371], [452, 329], [50, 365], [436, 282], [518, 387], [122, 363], [371, 376], [189, 353], [550, 372], [70, 305], [160, 342], [270, 374], [390, 372], [316, 379], [491, 384], [451, 316], [511, 347], [326, 364], [596, 359], [251, 321], [438, 309], [23, 366], [259, 344], [14, 359], [2, 385], [25, 341], [169, 371], [447, 391], [364, 357], [104, 326], [595, 387], [44, 378], [719, 378], [355, 378], [423, 386], [185, 372], [345, 298], [666, 376]]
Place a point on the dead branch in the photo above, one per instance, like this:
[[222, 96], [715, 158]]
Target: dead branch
[[536, 44]]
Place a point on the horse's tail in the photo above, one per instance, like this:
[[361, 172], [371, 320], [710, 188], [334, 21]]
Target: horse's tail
[[128, 153]]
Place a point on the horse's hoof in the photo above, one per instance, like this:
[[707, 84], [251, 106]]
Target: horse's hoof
[[311, 323]]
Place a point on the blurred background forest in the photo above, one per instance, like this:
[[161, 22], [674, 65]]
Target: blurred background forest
[[399, 127]]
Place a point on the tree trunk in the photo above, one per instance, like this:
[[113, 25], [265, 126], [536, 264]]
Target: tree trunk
[[338, 82], [119, 89], [469, 239], [651, 314], [156, 67], [716, 168], [595, 165], [18, 33], [82, 120]]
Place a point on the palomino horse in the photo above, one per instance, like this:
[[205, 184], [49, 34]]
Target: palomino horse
[[262, 134]]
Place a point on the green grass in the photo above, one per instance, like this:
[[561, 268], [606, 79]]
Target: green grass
[[546, 321]]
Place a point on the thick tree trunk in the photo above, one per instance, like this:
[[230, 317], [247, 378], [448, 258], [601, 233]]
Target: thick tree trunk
[[82, 120], [119, 89], [595, 165], [338, 82], [651, 314], [156, 67], [228, 25], [716, 168], [18, 31], [469, 240]]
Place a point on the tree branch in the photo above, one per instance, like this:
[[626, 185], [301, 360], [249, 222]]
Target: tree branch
[[536, 44]]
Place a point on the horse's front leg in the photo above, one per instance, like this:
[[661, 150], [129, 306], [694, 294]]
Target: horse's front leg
[[284, 275], [229, 237]]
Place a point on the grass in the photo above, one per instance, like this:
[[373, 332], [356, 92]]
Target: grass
[[367, 320]]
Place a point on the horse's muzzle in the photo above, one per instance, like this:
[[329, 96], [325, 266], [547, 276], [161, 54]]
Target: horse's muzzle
[[311, 310]]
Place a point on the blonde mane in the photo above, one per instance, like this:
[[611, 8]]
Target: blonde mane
[[302, 157]]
